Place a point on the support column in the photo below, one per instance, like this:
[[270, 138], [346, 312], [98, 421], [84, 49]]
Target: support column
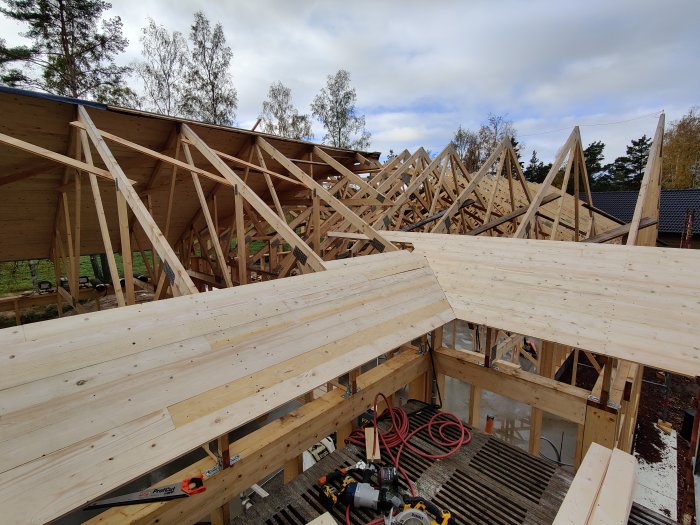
[[222, 515]]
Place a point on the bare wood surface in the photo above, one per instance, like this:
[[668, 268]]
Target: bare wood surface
[[139, 401]]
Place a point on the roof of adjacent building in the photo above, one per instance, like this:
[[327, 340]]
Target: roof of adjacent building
[[674, 204]]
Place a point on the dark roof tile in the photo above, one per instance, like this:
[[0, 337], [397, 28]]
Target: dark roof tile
[[674, 204]]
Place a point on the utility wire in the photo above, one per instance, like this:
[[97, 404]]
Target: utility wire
[[655, 114]]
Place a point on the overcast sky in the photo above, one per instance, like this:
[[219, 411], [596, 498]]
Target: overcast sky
[[422, 68]]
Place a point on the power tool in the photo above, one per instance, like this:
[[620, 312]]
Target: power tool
[[359, 491], [418, 511]]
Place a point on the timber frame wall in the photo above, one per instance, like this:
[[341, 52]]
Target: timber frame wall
[[203, 215]]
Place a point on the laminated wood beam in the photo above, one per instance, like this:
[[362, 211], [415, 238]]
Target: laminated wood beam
[[175, 270], [614, 502], [305, 254], [580, 500], [276, 443], [540, 392]]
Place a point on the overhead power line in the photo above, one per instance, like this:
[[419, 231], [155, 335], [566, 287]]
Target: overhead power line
[[655, 114]]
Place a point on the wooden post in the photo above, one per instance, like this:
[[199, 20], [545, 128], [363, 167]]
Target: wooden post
[[342, 432], [546, 369], [127, 264], [74, 288], [102, 221], [293, 468], [18, 317], [222, 515], [535, 431], [57, 276], [578, 454], [600, 426], [574, 367], [316, 221], [417, 389], [474, 406], [240, 239], [546, 359], [436, 343], [273, 257], [607, 377]]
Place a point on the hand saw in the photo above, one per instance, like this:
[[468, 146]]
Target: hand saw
[[185, 489]]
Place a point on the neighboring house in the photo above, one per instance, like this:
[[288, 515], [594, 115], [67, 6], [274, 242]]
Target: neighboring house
[[672, 213]]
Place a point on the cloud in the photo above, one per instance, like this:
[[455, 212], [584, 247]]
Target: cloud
[[422, 69]]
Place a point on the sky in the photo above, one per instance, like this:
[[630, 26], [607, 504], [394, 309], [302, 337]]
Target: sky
[[421, 69]]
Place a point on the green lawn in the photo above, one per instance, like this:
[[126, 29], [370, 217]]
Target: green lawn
[[16, 277]]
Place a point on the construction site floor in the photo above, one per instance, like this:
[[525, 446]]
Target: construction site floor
[[487, 482]]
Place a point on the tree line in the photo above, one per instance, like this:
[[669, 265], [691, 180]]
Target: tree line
[[73, 53], [681, 155]]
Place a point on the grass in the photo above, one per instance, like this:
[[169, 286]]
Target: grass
[[15, 276]]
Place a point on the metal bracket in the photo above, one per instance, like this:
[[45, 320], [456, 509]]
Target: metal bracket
[[299, 255], [216, 468], [169, 272], [379, 246], [611, 404], [348, 392]]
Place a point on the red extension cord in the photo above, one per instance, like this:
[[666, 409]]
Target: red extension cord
[[398, 435]]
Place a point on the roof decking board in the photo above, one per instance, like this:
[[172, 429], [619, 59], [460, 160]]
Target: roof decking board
[[639, 304], [76, 407]]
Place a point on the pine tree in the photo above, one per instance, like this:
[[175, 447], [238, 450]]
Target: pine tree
[[74, 49], [209, 94], [626, 172], [12, 76], [335, 107], [536, 170], [280, 117], [517, 148], [593, 155]]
